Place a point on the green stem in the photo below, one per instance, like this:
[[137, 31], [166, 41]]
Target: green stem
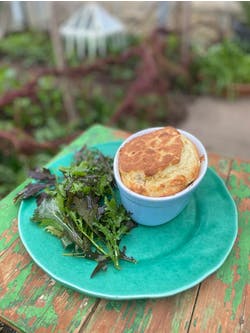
[[116, 252], [95, 244], [81, 255]]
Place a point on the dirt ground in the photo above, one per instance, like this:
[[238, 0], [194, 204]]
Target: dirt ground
[[222, 125]]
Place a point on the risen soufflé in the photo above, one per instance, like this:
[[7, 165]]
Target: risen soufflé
[[160, 163]]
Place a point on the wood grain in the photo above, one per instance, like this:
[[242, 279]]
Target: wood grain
[[171, 314], [223, 300], [34, 299], [219, 164]]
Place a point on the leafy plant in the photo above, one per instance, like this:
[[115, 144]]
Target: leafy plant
[[8, 79], [81, 209], [31, 47], [130, 89], [14, 168], [11, 174], [223, 65]]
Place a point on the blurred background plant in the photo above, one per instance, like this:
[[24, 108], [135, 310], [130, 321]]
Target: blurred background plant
[[27, 48], [221, 67], [96, 97]]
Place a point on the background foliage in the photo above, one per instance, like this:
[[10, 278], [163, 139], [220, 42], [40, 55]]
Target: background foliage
[[97, 96]]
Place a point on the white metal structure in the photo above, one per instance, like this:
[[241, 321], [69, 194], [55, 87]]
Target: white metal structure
[[89, 31]]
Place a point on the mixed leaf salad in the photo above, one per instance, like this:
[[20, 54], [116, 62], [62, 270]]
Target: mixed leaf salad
[[80, 206]]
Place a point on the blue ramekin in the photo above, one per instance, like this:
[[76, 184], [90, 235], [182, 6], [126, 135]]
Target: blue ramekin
[[153, 211]]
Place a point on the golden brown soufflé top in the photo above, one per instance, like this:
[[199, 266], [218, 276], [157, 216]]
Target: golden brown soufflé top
[[160, 163]]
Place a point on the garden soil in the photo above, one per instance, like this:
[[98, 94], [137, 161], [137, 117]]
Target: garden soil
[[222, 125]]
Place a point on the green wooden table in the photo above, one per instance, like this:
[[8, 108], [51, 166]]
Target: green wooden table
[[32, 302]]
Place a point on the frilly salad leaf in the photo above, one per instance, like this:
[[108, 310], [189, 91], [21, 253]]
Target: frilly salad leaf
[[81, 209], [44, 180]]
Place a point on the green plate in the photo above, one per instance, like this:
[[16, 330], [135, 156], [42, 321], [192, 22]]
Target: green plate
[[170, 258]]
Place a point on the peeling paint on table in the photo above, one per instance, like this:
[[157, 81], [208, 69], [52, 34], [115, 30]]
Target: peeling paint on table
[[32, 302]]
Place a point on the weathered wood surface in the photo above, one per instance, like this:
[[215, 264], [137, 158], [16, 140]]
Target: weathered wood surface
[[223, 304], [32, 302]]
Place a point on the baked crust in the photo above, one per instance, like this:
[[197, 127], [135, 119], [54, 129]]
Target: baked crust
[[159, 163]]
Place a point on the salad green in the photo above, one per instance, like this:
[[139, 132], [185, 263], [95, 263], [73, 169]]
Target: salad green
[[80, 207]]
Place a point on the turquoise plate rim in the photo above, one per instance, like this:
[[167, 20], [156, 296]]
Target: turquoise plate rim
[[129, 287]]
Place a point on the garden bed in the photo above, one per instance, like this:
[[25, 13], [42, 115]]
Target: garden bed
[[140, 87]]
